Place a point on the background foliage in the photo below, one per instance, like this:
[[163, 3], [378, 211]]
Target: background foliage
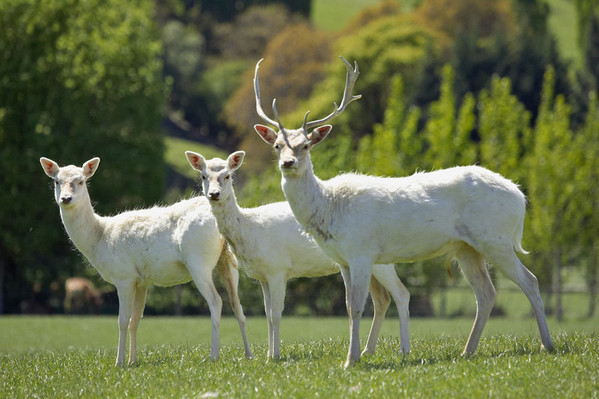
[[77, 79], [481, 82]]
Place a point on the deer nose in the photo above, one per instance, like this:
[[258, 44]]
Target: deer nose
[[214, 195], [66, 199], [288, 163]]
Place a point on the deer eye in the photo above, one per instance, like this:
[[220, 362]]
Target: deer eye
[[203, 177], [306, 146], [277, 146], [227, 177]]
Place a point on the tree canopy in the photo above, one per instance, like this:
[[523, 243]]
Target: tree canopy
[[78, 79]]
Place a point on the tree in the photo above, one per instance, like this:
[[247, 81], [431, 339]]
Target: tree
[[226, 10], [390, 46], [448, 131], [554, 217], [258, 25], [484, 38], [587, 77], [78, 79], [586, 12], [586, 157], [503, 127], [486, 17], [289, 82], [394, 147]]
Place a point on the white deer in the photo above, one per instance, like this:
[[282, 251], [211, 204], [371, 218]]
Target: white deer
[[161, 246], [469, 213], [272, 247]]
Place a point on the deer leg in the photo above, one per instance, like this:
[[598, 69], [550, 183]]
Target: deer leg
[[387, 277], [204, 283], [360, 273], [126, 294], [514, 269], [231, 276], [277, 296], [138, 308], [268, 312], [347, 283], [474, 269], [380, 300]]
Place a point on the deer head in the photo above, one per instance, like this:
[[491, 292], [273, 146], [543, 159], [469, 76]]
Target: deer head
[[69, 181], [293, 145], [216, 174]]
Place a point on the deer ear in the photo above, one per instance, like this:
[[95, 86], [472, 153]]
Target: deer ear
[[50, 167], [267, 134], [195, 160], [235, 160], [90, 167], [319, 134]]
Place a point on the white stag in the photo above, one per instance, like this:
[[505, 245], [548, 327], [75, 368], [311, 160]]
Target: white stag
[[161, 246], [469, 213], [272, 248]]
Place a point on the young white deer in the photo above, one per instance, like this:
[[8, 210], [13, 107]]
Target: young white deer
[[469, 213], [272, 247], [161, 246]]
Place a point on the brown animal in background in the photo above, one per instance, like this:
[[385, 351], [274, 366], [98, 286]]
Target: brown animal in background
[[80, 294]]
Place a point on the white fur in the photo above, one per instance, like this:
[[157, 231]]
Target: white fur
[[467, 212], [161, 246], [271, 245]]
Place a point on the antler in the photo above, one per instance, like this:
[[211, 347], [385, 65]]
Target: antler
[[350, 81], [259, 110]]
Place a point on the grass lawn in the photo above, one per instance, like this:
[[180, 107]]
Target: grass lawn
[[74, 356]]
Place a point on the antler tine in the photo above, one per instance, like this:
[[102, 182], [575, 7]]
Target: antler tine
[[279, 123], [350, 81], [259, 110], [304, 127]]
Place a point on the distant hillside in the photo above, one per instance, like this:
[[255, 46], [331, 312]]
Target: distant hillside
[[175, 154], [333, 15]]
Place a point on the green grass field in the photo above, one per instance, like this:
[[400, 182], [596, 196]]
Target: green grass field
[[74, 356]]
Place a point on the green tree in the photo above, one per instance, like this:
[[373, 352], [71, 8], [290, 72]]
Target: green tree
[[448, 130], [78, 79], [586, 11], [553, 215], [226, 10], [289, 82], [503, 127], [390, 46], [394, 147], [587, 77], [586, 198]]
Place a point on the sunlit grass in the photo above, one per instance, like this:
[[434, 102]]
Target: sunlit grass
[[507, 364]]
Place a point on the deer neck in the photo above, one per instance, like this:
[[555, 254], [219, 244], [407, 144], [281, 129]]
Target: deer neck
[[308, 199], [84, 227], [230, 220]]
